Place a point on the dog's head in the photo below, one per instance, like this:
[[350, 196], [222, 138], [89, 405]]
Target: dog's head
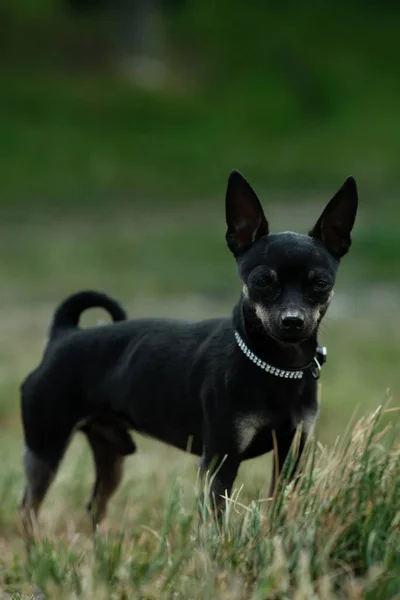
[[288, 277]]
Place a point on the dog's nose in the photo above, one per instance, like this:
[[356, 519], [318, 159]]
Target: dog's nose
[[292, 321]]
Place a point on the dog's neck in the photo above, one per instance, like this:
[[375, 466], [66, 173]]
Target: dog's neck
[[281, 355]]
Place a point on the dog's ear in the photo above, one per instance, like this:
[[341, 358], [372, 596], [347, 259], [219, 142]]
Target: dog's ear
[[334, 226], [244, 214]]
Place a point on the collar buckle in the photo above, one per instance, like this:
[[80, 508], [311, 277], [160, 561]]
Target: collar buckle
[[318, 360]]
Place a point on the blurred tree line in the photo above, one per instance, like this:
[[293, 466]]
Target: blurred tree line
[[223, 31], [261, 84], [303, 42], [138, 28]]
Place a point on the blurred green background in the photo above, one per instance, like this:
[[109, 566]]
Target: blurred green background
[[119, 124]]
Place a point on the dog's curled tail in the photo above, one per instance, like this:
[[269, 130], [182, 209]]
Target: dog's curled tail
[[67, 314]]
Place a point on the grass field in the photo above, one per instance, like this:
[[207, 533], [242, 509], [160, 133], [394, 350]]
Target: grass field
[[111, 186], [339, 538]]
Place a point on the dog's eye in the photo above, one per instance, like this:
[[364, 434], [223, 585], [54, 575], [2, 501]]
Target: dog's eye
[[321, 284], [262, 279], [319, 287]]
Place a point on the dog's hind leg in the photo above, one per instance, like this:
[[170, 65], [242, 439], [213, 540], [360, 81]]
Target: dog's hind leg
[[39, 476], [108, 459]]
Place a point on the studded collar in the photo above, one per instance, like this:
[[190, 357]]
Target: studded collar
[[314, 366]]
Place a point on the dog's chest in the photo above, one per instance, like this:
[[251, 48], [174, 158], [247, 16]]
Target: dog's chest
[[249, 425]]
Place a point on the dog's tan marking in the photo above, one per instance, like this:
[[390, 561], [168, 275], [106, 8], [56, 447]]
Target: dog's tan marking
[[321, 310], [245, 290], [247, 427], [307, 420], [261, 313], [39, 477], [273, 274]]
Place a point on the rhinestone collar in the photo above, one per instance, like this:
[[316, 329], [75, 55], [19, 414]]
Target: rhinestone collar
[[314, 366]]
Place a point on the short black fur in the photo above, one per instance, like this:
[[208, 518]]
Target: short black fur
[[189, 384]]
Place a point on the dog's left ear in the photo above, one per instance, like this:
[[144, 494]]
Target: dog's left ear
[[244, 214], [334, 226]]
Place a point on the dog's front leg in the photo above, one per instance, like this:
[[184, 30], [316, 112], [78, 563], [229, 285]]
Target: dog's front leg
[[286, 443], [221, 467]]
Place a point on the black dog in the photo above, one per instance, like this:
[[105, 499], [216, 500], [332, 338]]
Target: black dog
[[218, 388]]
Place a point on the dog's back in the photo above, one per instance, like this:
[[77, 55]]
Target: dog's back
[[118, 369]]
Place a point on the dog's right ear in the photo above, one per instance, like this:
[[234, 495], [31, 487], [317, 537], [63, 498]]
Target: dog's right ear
[[244, 214], [334, 226]]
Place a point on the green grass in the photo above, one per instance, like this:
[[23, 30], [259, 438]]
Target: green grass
[[336, 536]]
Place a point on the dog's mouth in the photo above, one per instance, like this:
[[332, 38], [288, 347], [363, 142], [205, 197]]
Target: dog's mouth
[[293, 338], [283, 336]]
